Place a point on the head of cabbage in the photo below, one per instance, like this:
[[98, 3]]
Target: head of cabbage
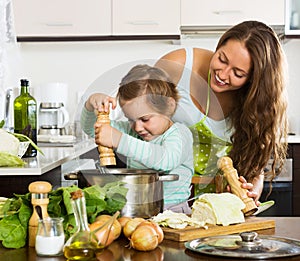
[[9, 148]]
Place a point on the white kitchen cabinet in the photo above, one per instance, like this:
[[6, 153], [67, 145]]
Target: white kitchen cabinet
[[230, 12], [292, 17], [144, 17], [35, 18]]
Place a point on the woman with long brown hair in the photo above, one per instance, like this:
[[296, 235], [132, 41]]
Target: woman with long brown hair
[[235, 99]]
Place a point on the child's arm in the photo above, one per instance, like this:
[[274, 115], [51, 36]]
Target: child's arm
[[173, 149]]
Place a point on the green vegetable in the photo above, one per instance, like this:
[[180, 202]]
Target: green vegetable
[[2, 123], [9, 160], [13, 228], [22, 137], [18, 210]]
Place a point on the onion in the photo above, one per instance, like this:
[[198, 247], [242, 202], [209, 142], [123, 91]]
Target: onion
[[144, 238], [157, 228], [116, 227], [131, 225], [124, 220], [104, 235]]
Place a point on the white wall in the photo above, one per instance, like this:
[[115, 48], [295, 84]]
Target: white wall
[[79, 64]]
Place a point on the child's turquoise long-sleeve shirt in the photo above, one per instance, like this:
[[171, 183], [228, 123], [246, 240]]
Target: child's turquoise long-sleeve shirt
[[171, 152]]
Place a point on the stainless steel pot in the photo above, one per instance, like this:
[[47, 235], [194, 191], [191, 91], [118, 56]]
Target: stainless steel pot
[[145, 187]]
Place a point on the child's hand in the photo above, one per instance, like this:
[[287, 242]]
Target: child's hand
[[107, 136], [100, 102]]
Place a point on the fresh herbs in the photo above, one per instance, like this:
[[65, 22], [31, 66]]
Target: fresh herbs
[[18, 210]]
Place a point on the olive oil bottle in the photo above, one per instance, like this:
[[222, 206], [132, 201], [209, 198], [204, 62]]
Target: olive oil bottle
[[82, 245], [25, 116]]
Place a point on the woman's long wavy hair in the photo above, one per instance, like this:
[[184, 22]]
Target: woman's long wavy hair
[[259, 117]]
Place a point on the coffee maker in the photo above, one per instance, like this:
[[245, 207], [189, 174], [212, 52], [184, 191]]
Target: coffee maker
[[53, 118]]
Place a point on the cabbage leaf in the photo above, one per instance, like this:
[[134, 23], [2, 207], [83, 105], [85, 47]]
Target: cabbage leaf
[[218, 209]]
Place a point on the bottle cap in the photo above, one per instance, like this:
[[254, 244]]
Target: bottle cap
[[24, 82]]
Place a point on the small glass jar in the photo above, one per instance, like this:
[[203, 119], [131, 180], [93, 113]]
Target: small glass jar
[[50, 237]]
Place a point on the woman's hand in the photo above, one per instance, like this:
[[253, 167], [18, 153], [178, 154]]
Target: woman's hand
[[255, 188], [100, 102], [107, 136]]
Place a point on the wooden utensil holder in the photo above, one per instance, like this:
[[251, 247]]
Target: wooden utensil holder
[[39, 197]]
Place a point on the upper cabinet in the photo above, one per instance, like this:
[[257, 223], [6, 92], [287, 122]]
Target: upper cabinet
[[38, 18], [230, 12], [144, 17], [136, 19], [292, 17]]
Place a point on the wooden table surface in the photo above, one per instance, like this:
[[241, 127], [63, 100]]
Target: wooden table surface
[[168, 250]]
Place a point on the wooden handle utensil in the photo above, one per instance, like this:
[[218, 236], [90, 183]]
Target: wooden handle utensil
[[231, 175], [39, 197], [106, 155]]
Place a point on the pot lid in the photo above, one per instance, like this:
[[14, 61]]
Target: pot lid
[[246, 245]]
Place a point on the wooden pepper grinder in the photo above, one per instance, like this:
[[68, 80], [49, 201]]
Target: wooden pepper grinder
[[231, 175], [106, 155], [39, 197]]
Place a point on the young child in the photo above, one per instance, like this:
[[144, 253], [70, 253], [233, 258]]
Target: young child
[[149, 139]]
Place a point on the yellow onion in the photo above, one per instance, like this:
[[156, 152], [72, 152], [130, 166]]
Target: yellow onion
[[104, 235], [144, 238], [116, 227], [123, 220], [157, 228], [131, 225]]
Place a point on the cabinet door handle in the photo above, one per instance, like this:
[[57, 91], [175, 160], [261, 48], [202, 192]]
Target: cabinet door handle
[[58, 24], [227, 12], [146, 22]]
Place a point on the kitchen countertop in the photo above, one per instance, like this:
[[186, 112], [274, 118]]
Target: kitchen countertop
[[168, 250], [294, 139], [57, 155], [54, 157]]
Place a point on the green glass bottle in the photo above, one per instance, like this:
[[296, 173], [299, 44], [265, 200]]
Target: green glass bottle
[[25, 116]]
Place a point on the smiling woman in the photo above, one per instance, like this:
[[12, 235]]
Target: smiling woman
[[234, 101]]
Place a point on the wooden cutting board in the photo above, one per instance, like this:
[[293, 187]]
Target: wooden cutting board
[[190, 233]]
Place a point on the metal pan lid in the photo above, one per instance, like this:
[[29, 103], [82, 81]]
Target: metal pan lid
[[246, 245]]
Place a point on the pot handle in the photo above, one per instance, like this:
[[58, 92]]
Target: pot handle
[[168, 177]]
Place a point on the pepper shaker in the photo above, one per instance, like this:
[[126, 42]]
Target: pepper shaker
[[231, 175], [39, 197], [106, 155]]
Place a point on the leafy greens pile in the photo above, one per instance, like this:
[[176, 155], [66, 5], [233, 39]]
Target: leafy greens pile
[[9, 147], [18, 210]]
